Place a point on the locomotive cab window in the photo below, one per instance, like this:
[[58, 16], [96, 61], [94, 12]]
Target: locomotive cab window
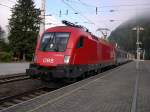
[[80, 42], [54, 41]]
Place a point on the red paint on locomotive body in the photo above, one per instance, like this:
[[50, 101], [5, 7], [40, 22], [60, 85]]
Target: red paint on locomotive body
[[93, 51], [73, 49]]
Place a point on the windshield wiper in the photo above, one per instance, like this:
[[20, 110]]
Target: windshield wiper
[[49, 42], [56, 48]]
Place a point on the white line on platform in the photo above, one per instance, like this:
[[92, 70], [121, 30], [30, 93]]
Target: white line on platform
[[135, 95]]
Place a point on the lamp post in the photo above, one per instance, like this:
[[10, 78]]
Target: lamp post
[[138, 29]]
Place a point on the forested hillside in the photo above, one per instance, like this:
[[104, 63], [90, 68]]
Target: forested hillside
[[126, 37]]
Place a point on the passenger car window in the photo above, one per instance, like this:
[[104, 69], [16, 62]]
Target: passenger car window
[[80, 42]]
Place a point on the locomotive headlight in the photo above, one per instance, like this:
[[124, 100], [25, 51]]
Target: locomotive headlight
[[66, 59]]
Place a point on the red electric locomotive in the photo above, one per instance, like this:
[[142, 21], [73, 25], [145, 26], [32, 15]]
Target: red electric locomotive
[[70, 52]]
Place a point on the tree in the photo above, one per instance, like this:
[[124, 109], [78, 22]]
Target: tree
[[24, 27], [2, 41], [1, 34]]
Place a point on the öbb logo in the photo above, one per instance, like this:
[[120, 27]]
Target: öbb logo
[[48, 60]]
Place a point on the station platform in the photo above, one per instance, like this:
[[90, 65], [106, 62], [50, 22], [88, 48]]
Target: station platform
[[13, 68], [123, 89]]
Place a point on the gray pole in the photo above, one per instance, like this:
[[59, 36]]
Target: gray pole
[[138, 30], [42, 25], [137, 42], [144, 55]]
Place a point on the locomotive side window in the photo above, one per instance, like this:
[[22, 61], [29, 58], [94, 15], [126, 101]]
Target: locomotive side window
[[80, 42]]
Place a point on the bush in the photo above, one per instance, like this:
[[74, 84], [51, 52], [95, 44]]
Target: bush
[[5, 57], [29, 57], [4, 47]]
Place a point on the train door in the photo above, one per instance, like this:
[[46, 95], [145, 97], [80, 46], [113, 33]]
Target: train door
[[79, 51]]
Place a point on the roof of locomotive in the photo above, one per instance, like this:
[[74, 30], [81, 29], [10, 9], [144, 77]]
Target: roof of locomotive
[[65, 29], [105, 41]]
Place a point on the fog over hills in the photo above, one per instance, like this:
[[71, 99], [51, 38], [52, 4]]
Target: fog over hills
[[125, 37]]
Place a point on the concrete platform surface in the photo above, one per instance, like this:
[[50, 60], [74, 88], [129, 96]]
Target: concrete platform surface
[[13, 68], [123, 89]]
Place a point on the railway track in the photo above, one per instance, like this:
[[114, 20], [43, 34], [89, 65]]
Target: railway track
[[6, 102], [13, 78], [23, 90]]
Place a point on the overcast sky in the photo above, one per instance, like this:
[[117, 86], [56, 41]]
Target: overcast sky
[[118, 10]]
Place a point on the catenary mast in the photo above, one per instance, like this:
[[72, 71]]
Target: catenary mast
[[42, 9]]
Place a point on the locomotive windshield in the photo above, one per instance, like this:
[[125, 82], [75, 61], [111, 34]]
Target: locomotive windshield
[[54, 41]]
